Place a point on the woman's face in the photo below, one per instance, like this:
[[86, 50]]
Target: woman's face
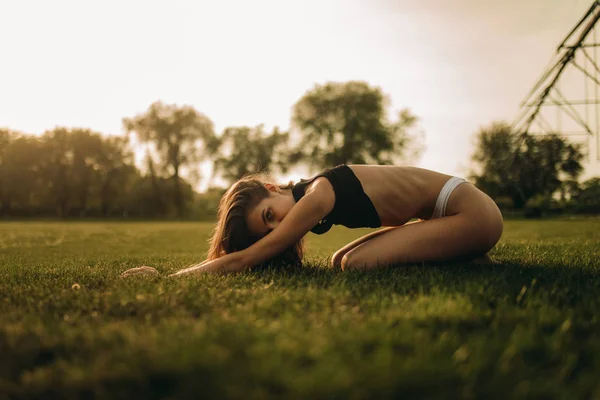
[[269, 213]]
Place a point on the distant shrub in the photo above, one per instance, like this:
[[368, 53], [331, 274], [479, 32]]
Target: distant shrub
[[541, 205], [588, 199], [504, 203]]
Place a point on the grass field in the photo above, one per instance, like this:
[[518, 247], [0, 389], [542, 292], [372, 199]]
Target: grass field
[[69, 328]]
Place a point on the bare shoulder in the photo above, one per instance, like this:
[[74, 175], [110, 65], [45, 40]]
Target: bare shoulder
[[321, 191]]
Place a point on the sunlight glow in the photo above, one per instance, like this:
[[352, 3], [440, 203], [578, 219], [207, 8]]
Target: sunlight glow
[[458, 65]]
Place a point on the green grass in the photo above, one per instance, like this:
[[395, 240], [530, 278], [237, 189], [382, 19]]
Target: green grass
[[69, 328]]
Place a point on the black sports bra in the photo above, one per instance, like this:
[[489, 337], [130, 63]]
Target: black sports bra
[[352, 208]]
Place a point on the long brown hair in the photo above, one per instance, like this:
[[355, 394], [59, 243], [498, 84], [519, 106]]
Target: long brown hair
[[231, 232]]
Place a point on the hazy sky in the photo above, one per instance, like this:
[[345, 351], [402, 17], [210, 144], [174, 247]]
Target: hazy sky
[[458, 64]]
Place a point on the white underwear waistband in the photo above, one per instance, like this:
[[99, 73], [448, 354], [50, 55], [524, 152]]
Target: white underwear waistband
[[442, 199]]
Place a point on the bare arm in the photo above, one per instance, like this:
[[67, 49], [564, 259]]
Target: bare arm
[[308, 211], [190, 269], [317, 202], [201, 268]]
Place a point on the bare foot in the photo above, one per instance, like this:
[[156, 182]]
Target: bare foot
[[143, 270]]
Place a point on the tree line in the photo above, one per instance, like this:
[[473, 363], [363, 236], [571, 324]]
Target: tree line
[[76, 172]]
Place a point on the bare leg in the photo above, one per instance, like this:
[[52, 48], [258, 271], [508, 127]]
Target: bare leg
[[336, 259], [473, 229]]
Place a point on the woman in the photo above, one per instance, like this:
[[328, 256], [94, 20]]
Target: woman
[[259, 221]]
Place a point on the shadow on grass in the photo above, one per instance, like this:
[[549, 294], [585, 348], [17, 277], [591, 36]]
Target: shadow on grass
[[514, 284]]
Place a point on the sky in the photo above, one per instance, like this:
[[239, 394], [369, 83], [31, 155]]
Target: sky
[[457, 64]]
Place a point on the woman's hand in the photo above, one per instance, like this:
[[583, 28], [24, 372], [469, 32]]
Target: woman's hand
[[225, 264], [139, 271]]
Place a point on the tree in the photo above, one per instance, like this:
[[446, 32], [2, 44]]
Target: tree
[[87, 148], [6, 137], [82, 171], [70, 170], [116, 174], [247, 150], [182, 137], [346, 123], [588, 197], [19, 182], [522, 166], [56, 171]]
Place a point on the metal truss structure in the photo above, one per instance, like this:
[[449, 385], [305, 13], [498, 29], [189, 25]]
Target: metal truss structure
[[560, 102]]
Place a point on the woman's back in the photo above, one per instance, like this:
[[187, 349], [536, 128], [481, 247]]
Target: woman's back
[[400, 193]]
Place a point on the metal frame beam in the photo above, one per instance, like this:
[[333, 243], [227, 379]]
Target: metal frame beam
[[546, 93]]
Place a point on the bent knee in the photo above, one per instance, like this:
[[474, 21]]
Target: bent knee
[[352, 260], [345, 262], [336, 259]]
